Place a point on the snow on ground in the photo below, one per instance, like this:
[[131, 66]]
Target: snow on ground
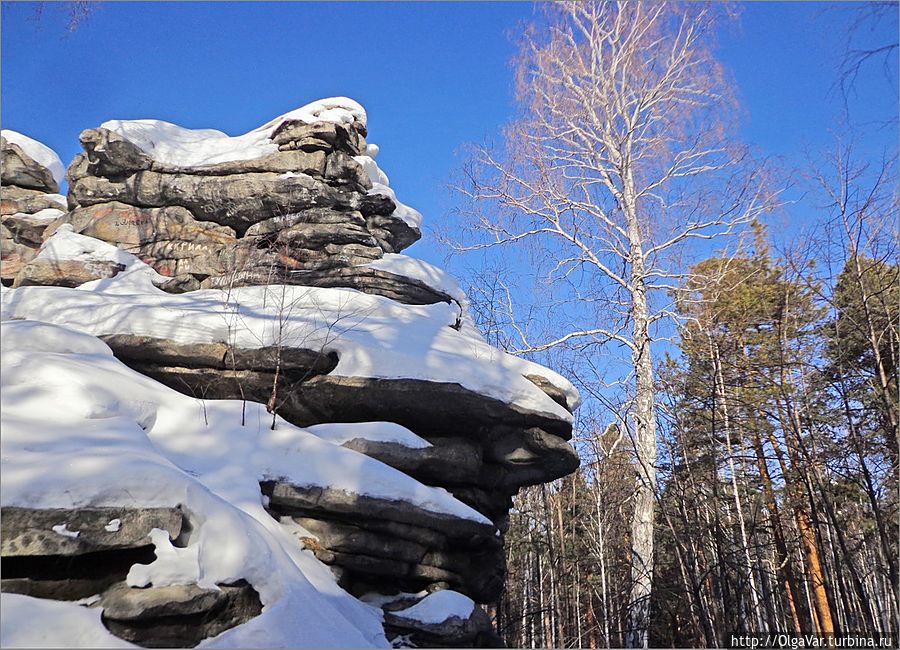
[[438, 607], [81, 429], [27, 622], [372, 335], [175, 145], [39, 153], [341, 432]]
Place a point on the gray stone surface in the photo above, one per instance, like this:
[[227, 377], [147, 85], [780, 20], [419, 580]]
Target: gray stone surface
[[320, 136], [393, 234], [237, 200], [25, 229], [21, 169], [342, 169], [428, 408], [29, 531], [450, 461], [27, 188], [64, 273], [13, 256], [169, 239], [296, 500], [178, 616], [15, 199], [455, 632]]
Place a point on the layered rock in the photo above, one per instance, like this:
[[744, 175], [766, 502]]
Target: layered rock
[[292, 234], [73, 554], [441, 619], [30, 200], [303, 212]]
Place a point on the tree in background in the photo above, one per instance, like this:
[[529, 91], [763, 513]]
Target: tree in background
[[620, 160]]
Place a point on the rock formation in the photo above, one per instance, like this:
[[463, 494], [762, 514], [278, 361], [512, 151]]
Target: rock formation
[[305, 213], [30, 199], [279, 252]]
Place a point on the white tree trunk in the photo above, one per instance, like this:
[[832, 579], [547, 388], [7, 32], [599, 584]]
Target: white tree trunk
[[644, 417]]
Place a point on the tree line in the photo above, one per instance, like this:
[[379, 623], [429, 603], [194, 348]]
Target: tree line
[[739, 437], [777, 509]]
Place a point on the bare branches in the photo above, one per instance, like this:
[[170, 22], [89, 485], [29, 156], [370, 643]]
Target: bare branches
[[620, 160]]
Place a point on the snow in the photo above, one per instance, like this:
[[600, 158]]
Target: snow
[[47, 214], [417, 269], [61, 529], [373, 336], [438, 607], [38, 152], [380, 600], [113, 526], [333, 109], [437, 278], [27, 622], [66, 244], [381, 186], [175, 145], [172, 566], [80, 429], [167, 434], [340, 432]]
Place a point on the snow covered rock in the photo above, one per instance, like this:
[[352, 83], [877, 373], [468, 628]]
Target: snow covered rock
[[70, 554], [177, 615], [30, 532], [169, 238], [67, 259], [30, 174], [293, 194], [442, 619], [393, 543], [225, 328], [28, 163]]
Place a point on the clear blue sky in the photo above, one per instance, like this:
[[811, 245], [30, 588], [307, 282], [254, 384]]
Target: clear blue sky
[[433, 76]]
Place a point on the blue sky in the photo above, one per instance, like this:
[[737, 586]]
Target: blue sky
[[433, 76]]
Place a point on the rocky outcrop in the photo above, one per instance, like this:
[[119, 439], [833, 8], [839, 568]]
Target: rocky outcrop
[[393, 545], [87, 553], [483, 450], [305, 213], [309, 207], [29, 201]]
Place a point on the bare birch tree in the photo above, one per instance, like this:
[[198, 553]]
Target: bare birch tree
[[620, 161]]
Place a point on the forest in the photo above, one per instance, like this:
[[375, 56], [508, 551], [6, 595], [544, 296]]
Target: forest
[[739, 435]]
